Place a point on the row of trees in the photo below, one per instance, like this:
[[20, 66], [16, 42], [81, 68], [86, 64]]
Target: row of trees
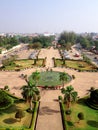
[[37, 42], [34, 42], [67, 39], [41, 41], [8, 42]]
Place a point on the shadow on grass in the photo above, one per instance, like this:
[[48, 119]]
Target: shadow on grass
[[10, 121], [82, 101], [92, 123], [47, 111], [11, 109]]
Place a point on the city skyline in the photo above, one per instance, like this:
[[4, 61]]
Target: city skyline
[[30, 16]]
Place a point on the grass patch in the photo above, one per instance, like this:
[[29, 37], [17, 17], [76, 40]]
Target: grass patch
[[90, 121], [76, 64], [8, 120], [22, 64], [49, 78]]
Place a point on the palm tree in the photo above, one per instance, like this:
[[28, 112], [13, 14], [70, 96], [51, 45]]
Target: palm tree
[[29, 92], [69, 95], [64, 78], [35, 76]]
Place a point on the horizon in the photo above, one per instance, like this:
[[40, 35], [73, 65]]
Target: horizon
[[40, 16]]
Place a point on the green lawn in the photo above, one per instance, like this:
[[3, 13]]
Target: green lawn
[[22, 64], [8, 120], [59, 62], [90, 121], [80, 65], [49, 78]]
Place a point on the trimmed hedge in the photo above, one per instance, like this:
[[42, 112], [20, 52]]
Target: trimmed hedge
[[55, 65], [91, 105], [65, 125], [6, 100], [44, 62], [34, 116]]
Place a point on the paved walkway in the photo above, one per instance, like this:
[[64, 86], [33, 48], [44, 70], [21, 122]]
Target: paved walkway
[[49, 117], [49, 53]]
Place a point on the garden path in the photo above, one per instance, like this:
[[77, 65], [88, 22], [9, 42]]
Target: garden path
[[49, 117], [49, 53]]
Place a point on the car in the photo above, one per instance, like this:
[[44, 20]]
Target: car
[[95, 57]]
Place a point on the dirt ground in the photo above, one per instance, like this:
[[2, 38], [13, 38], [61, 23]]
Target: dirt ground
[[82, 82]]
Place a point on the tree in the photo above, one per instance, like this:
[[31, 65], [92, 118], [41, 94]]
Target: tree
[[29, 92], [36, 45], [67, 39], [35, 76], [0, 51], [19, 114], [25, 39], [64, 78], [43, 40], [96, 45], [69, 95], [80, 116]]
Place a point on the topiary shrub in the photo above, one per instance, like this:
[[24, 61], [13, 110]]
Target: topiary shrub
[[46, 87], [60, 98], [80, 116], [29, 110], [19, 114], [5, 100], [68, 112], [73, 76], [6, 87], [17, 69]]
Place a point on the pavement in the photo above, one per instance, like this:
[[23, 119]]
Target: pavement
[[49, 117]]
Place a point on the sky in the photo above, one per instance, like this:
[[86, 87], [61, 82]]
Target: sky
[[39, 16]]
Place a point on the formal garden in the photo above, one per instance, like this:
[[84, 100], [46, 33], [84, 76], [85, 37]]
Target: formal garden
[[19, 113], [79, 114], [14, 113], [22, 64], [75, 64]]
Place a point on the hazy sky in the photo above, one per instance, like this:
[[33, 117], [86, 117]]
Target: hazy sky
[[29, 16]]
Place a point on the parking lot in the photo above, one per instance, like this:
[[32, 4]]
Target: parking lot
[[22, 53]]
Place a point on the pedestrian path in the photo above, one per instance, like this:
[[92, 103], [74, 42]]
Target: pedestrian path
[[49, 54], [49, 117]]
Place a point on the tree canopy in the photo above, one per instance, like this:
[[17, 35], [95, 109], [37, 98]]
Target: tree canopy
[[8, 42]]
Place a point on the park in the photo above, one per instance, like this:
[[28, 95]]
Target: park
[[50, 94]]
